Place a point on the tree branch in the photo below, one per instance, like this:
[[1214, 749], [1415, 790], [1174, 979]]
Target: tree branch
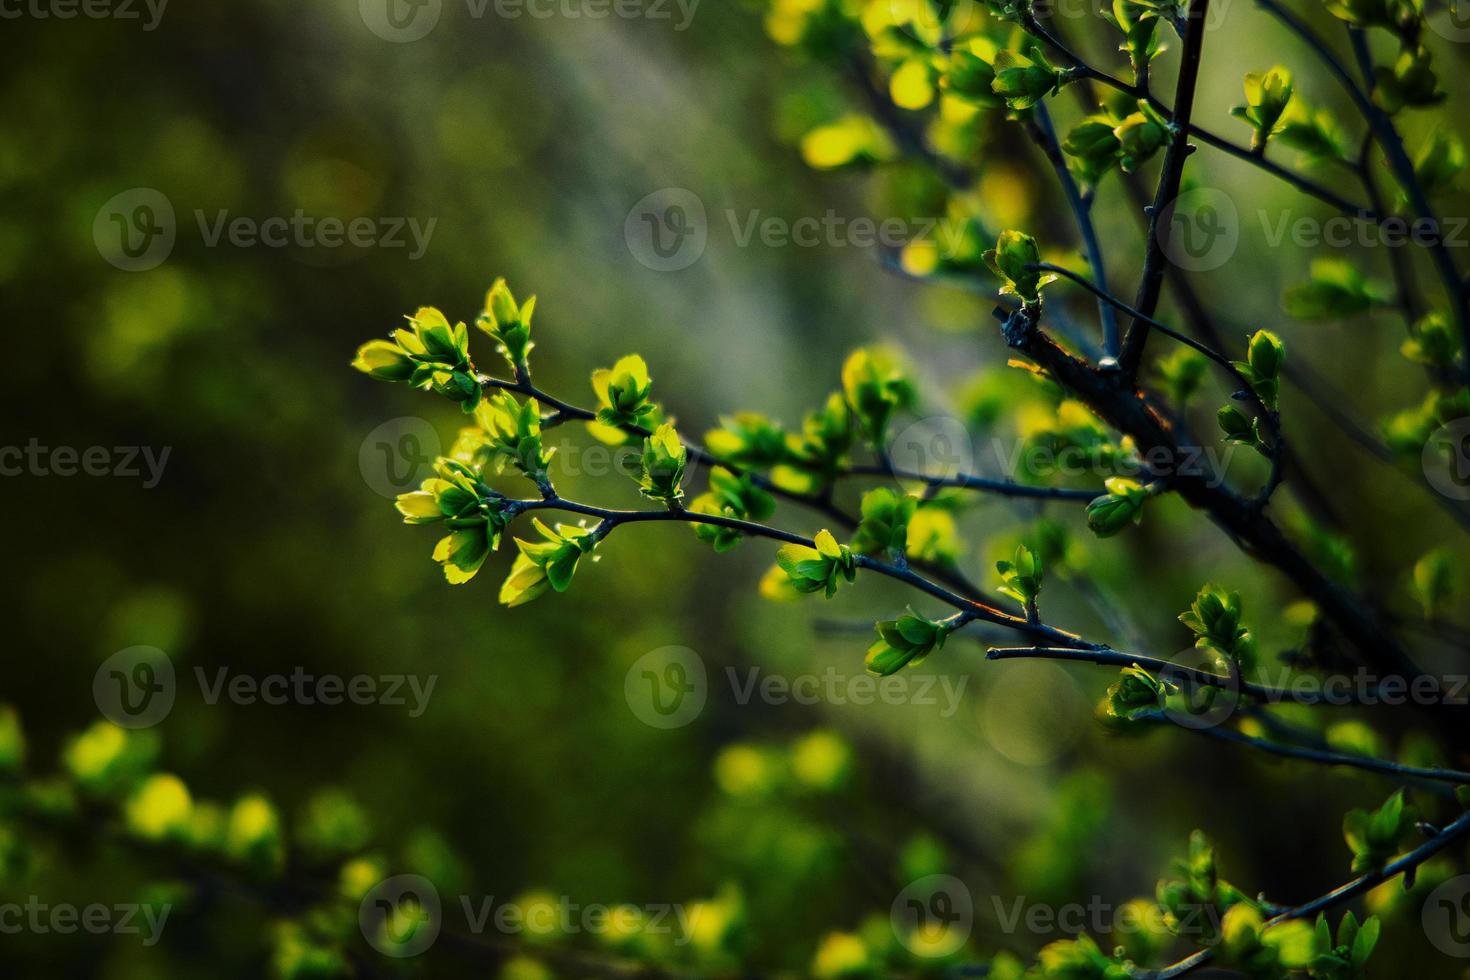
[[1155, 258]]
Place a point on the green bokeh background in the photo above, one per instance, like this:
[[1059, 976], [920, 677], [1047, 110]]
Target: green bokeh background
[[264, 548]]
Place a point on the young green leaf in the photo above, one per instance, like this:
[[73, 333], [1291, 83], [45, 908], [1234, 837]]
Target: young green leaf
[[1434, 342], [1266, 97], [1110, 513], [905, 642], [876, 386], [1335, 290], [508, 323], [1375, 837], [1014, 259], [1434, 581], [546, 564], [730, 495], [622, 393], [817, 569], [659, 470], [883, 529], [748, 439], [1214, 618], [1024, 80], [509, 432], [1021, 577]]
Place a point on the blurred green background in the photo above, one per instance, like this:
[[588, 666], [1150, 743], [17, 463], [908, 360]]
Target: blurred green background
[[267, 545]]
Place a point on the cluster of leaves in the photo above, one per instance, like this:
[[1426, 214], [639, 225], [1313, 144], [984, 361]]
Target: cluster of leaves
[[1214, 619], [659, 469], [1021, 576], [1262, 371], [548, 563], [1375, 837], [474, 515], [429, 354], [1335, 290], [1200, 906], [817, 569], [905, 642], [1123, 503], [508, 432], [109, 786], [1266, 97], [733, 495], [1014, 260], [1410, 81]]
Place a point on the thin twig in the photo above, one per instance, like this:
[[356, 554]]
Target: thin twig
[[1344, 893], [1155, 259]]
